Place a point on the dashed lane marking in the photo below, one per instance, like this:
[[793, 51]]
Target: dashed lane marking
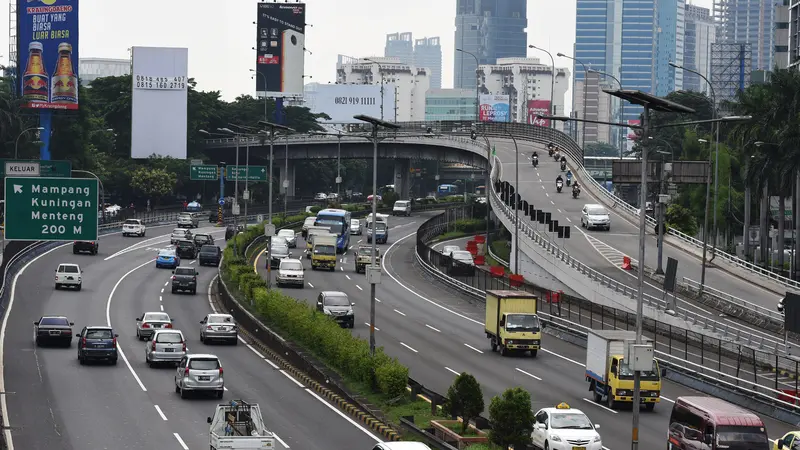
[[180, 441], [408, 347], [400, 312], [160, 413], [451, 370], [432, 328], [473, 348]]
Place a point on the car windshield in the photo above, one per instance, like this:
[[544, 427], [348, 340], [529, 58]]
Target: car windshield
[[337, 300], [204, 364], [131, 222], [572, 421], [70, 269], [219, 318], [201, 238], [367, 251], [178, 233], [185, 216], [99, 334], [400, 204], [292, 265], [185, 244], [155, 317], [324, 250], [286, 233], [625, 373], [450, 248], [170, 338], [522, 322], [280, 250], [184, 271], [596, 212], [208, 249], [462, 256], [380, 227], [166, 253], [741, 438], [54, 321], [354, 223]]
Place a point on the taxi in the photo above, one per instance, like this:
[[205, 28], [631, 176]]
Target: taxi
[[565, 428], [790, 441]]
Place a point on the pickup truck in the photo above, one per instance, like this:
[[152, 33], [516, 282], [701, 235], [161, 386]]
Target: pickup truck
[[363, 257], [133, 227], [238, 425]]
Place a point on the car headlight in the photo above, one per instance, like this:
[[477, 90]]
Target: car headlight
[[597, 439], [555, 438], [623, 392]]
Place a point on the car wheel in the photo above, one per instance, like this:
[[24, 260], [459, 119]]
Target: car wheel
[[81, 361], [235, 341], [78, 288], [177, 389], [58, 286], [194, 291], [183, 393], [113, 361], [173, 290], [124, 234], [74, 251], [202, 339], [68, 343]]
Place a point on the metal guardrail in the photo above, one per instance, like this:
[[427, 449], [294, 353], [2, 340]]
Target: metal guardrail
[[724, 296]]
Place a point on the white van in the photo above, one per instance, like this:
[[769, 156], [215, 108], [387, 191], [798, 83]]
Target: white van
[[402, 208]]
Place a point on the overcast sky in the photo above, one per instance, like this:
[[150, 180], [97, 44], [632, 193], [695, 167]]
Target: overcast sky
[[220, 34]]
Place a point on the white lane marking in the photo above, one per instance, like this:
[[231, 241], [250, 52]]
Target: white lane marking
[[274, 366], [160, 298], [347, 276], [473, 348], [399, 312], [569, 220], [451, 370], [341, 268], [376, 328], [162, 308], [667, 399], [378, 300], [434, 329], [108, 321], [527, 373], [290, 377], [350, 248], [281, 440], [552, 202], [558, 210], [162, 290], [341, 414], [359, 288], [160, 413], [193, 261], [180, 441], [599, 405], [165, 284], [252, 349], [224, 388], [311, 285], [409, 347]]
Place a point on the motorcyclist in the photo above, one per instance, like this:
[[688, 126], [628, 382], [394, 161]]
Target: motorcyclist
[[576, 189], [569, 177], [558, 178], [563, 159]]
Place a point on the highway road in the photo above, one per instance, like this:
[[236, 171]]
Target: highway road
[[537, 186], [59, 404], [439, 334]]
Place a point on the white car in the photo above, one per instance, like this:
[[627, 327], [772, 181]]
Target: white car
[[167, 346], [69, 275], [401, 208], [447, 253], [199, 372], [289, 236], [321, 196], [133, 227], [564, 428], [595, 216], [291, 272], [356, 227]]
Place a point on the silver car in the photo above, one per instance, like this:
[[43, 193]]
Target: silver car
[[220, 327], [180, 234], [291, 272], [356, 227], [149, 322], [289, 236], [199, 372], [188, 220], [165, 346]]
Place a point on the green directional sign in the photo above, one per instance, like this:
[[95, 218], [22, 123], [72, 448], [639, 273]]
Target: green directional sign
[[203, 172], [57, 169], [246, 173], [51, 209]]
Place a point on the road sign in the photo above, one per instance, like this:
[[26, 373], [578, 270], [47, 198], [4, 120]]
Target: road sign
[[196, 162], [260, 218], [221, 202], [22, 169], [203, 172], [58, 169], [254, 173], [51, 209]]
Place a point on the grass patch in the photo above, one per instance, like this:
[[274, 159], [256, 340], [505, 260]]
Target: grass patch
[[483, 447], [452, 235], [394, 409], [456, 428], [502, 249]]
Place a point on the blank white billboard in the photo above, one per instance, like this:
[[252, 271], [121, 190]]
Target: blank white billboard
[[342, 101], [160, 89]]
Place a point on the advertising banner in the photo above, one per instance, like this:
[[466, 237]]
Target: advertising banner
[[538, 108], [632, 136], [280, 49], [342, 101], [48, 53], [495, 108], [159, 104]]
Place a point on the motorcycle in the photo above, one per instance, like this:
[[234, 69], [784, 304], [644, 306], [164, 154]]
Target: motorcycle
[[569, 181], [559, 185], [535, 161], [550, 151], [557, 156], [563, 166], [575, 192]]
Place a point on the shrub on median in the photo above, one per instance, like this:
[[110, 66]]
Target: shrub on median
[[469, 225]]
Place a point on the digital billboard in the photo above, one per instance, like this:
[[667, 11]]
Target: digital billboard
[[280, 49], [538, 108], [495, 108], [342, 101], [160, 83], [48, 53]]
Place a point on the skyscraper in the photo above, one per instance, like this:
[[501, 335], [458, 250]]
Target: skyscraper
[[489, 29], [700, 34], [400, 45], [428, 54], [750, 22]]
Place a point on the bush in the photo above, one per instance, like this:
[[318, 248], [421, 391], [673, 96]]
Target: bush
[[388, 198], [315, 209], [469, 225], [248, 282], [511, 418], [465, 398], [452, 199], [392, 379]]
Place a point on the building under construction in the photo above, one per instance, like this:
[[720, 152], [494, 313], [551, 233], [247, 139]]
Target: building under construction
[[730, 71]]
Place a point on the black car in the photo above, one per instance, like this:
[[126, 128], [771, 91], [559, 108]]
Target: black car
[[52, 330], [186, 249], [97, 344], [338, 307], [210, 255], [90, 247], [203, 239], [184, 279]]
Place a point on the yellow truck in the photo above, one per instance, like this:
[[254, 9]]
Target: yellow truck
[[313, 230], [610, 377], [323, 251], [511, 322]]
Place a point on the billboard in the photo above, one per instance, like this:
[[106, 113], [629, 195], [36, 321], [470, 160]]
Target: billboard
[[159, 103], [495, 108], [342, 101], [48, 53], [538, 108], [280, 49]]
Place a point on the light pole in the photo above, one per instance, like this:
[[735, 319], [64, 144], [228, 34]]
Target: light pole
[[477, 85], [374, 272], [246, 193], [585, 82], [265, 90], [474, 135], [705, 224], [380, 72], [102, 194], [235, 206], [269, 229], [552, 82], [338, 135], [16, 144], [661, 207], [285, 175], [621, 111], [716, 177]]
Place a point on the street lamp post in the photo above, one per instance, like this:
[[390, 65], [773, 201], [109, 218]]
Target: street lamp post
[[339, 166], [661, 207], [585, 82], [235, 207], [380, 71], [552, 82], [16, 144], [621, 111], [265, 90], [477, 85], [286, 176]]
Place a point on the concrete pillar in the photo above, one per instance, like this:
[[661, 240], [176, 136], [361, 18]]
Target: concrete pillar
[[282, 177], [402, 180]]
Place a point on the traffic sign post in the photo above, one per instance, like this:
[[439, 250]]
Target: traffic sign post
[[246, 173], [57, 169], [203, 172], [51, 209]]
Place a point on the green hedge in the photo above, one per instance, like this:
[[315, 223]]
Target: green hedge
[[469, 225], [451, 199]]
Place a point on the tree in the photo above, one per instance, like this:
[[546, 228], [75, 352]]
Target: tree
[[601, 149], [465, 398], [681, 219], [511, 418], [153, 182]]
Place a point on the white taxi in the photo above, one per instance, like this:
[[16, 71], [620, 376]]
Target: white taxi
[[565, 428]]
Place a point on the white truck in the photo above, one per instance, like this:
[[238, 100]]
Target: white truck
[[238, 426], [133, 227], [380, 218]]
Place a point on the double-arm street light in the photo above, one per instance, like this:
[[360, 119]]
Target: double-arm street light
[[16, 144], [477, 85], [585, 82], [552, 81], [621, 111], [235, 207]]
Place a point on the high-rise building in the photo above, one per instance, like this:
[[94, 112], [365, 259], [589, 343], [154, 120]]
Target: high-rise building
[[428, 54], [700, 34], [91, 69], [400, 45], [782, 18], [794, 33], [450, 104], [489, 29], [751, 22]]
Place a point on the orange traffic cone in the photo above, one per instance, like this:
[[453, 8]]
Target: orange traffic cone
[[626, 263]]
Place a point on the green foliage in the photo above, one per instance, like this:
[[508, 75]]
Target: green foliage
[[465, 398], [389, 198], [315, 209], [153, 182], [511, 418], [392, 379], [681, 219], [469, 225], [601, 149], [451, 199]]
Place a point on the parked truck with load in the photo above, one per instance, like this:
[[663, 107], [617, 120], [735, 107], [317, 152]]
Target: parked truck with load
[[363, 256], [608, 374], [313, 230], [511, 322], [323, 251], [238, 425]]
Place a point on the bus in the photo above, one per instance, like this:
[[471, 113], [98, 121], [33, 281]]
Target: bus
[[480, 191], [447, 189], [338, 221], [708, 422]]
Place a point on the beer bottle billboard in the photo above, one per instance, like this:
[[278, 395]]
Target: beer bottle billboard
[[64, 82], [35, 82]]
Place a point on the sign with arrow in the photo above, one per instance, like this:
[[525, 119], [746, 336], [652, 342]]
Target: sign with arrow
[[246, 173], [203, 172]]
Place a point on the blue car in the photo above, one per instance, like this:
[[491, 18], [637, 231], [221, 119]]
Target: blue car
[[168, 258], [98, 344]]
